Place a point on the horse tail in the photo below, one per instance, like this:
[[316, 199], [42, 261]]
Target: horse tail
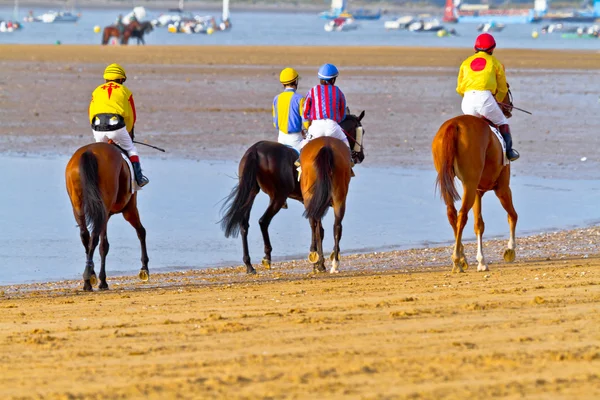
[[321, 197], [446, 174], [239, 202], [93, 205]]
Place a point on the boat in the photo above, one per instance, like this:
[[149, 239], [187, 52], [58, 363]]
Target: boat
[[50, 17], [138, 12], [339, 9], [400, 23], [590, 15], [341, 24], [180, 21], [425, 26], [491, 26], [456, 11], [11, 25]]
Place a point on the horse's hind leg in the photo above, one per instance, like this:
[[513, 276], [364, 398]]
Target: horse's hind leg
[[505, 196], [315, 256], [264, 221], [337, 236], [458, 257], [104, 246], [479, 229], [132, 216], [89, 276]]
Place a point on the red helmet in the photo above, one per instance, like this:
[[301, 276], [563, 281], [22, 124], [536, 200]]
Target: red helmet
[[485, 42]]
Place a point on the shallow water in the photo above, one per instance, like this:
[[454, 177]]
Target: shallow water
[[271, 28], [388, 208]]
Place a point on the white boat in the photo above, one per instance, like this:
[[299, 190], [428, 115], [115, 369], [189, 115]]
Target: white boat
[[425, 26], [9, 26], [341, 25], [491, 27], [51, 17], [400, 23]]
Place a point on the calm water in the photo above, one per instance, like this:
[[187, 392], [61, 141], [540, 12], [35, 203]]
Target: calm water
[[388, 208], [256, 28]]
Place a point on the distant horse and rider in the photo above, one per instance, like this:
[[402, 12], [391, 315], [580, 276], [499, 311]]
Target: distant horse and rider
[[269, 166], [134, 29]]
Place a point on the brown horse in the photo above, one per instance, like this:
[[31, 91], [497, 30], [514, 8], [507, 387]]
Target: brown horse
[[99, 185], [113, 31], [325, 178], [466, 148], [269, 166]]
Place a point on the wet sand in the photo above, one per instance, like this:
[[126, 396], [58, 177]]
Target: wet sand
[[214, 102], [528, 330]]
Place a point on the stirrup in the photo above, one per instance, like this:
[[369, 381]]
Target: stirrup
[[143, 181]]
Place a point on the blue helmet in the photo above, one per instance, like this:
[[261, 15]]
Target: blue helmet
[[328, 71]]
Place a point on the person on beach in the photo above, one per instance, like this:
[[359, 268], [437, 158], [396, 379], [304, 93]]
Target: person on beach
[[325, 107], [112, 116], [482, 83], [287, 110]]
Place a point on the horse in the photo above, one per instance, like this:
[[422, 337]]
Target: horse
[[465, 147], [324, 182], [145, 28], [113, 31], [269, 166], [99, 185]]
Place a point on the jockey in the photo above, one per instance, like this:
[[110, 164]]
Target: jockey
[[287, 110], [325, 107], [482, 83], [120, 25], [112, 116]]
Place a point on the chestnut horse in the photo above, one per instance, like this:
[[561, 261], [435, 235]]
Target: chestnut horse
[[113, 31], [466, 148], [99, 185], [325, 178], [269, 166]]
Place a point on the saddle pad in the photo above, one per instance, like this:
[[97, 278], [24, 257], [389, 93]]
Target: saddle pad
[[502, 143], [133, 184]]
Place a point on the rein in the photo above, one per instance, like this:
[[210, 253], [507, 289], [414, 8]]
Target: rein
[[362, 148]]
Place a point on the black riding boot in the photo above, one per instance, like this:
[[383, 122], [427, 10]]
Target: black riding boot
[[511, 153], [139, 177]]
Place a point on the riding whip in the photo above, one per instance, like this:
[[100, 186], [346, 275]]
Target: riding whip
[[149, 145]]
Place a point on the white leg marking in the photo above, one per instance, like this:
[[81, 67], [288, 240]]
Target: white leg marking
[[334, 266], [482, 266]]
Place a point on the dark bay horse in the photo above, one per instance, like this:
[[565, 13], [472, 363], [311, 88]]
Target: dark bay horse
[[113, 31], [465, 147], [99, 185], [269, 166], [145, 28], [325, 178]]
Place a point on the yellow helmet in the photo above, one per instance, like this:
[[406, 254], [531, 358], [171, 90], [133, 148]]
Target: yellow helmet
[[288, 76], [114, 72]]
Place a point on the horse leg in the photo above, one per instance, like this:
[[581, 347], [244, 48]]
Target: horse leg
[[264, 221], [337, 236], [504, 194], [479, 229], [320, 236], [458, 257], [89, 275], [132, 216], [244, 226], [314, 257], [104, 246]]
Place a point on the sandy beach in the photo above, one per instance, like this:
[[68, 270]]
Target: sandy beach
[[391, 325]]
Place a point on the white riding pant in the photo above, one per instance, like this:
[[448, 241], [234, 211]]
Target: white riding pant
[[292, 139], [120, 137], [325, 127], [481, 103]]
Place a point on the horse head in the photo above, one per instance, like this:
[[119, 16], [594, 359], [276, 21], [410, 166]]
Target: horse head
[[354, 130]]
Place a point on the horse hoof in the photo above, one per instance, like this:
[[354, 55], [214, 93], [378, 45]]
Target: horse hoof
[[144, 275], [93, 280], [332, 256], [509, 255], [87, 287], [266, 263], [251, 271], [482, 268], [103, 286], [313, 257], [465, 265]]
